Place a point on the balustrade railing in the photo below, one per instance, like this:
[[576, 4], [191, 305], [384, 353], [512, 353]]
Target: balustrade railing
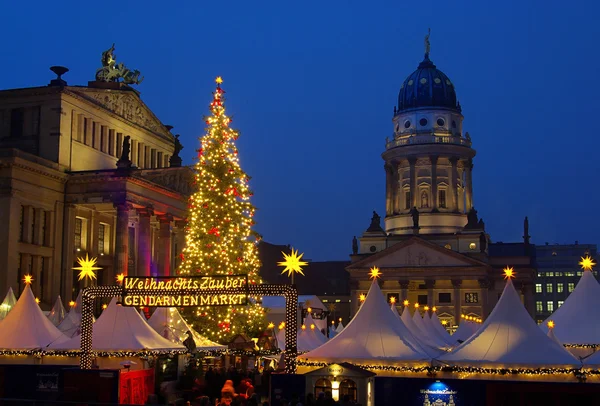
[[428, 139]]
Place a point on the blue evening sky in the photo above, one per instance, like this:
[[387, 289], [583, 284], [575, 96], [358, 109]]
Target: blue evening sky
[[312, 85]]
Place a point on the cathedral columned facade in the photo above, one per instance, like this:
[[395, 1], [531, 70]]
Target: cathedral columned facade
[[87, 171], [433, 249]]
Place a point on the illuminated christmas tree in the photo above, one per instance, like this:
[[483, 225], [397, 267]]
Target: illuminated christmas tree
[[219, 235]]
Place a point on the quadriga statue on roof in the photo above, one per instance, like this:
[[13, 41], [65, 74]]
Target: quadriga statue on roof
[[112, 72]]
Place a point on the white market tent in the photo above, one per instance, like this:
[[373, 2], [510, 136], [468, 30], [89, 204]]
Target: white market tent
[[395, 310], [71, 325], [411, 323], [441, 331], [318, 335], [275, 306], [57, 314], [509, 336], [121, 328], [443, 339], [340, 327], [577, 321], [426, 335], [9, 301], [168, 322], [465, 329], [374, 333], [26, 326]]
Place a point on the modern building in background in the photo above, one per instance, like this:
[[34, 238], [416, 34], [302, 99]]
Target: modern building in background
[[558, 272], [432, 248], [86, 170]]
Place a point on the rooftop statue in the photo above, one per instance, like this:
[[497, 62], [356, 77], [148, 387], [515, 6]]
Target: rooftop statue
[[111, 71], [427, 43]]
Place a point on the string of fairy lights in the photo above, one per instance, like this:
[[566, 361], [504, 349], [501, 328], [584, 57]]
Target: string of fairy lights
[[219, 236]]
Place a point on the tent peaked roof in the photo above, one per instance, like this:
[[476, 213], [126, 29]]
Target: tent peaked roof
[[509, 336], [9, 301], [122, 328], [71, 325], [440, 330], [26, 326], [373, 333], [57, 314], [409, 322], [340, 327], [425, 335], [168, 322], [578, 320], [439, 337], [395, 311], [318, 336]]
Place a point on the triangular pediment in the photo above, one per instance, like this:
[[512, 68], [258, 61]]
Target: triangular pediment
[[416, 252], [125, 104]]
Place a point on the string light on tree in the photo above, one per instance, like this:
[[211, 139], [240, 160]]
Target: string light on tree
[[292, 264], [219, 235]]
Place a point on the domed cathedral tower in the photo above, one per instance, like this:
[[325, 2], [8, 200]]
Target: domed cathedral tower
[[428, 162]]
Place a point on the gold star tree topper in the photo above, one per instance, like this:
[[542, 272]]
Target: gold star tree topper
[[587, 263], [87, 267], [509, 273], [219, 80], [374, 273], [292, 263]]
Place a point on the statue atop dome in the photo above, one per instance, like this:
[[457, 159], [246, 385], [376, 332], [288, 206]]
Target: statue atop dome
[[111, 71], [427, 43]]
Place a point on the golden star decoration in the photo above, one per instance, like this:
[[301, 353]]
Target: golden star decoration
[[587, 263], [87, 267], [393, 300], [362, 297], [271, 325], [509, 272], [426, 308], [72, 303], [219, 80], [374, 273], [416, 305], [120, 277], [444, 322], [303, 327], [104, 306], [312, 326], [292, 263], [550, 324], [340, 319], [406, 303], [37, 300], [434, 309], [28, 279]]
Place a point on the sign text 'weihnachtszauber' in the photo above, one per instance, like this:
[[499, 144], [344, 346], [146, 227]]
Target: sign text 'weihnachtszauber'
[[161, 291]]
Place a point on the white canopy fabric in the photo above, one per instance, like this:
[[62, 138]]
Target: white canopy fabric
[[420, 331], [552, 336], [121, 328], [318, 335], [509, 336], [465, 330], [409, 323], [26, 326], [71, 325], [577, 321], [306, 340], [395, 310], [168, 322], [9, 302], [340, 327], [143, 314], [57, 314], [433, 333], [281, 339], [441, 331], [373, 333]]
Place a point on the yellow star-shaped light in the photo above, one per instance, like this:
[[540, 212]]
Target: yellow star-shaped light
[[332, 322], [509, 272], [104, 306], [281, 325], [271, 325], [374, 273], [362, 297], [72, 303], [434, 309], [550, 324], [292, 263], [340, 319], [28, 279], [426, 308], [312, 326], [219, 80], [444, 322], [120, 277], [87, 267], [309, 310], [37, 300], [416, 305], [303, 327], [405, 303], [587, 263], [393, 300]]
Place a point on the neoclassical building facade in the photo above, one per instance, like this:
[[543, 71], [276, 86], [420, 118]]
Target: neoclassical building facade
[[62, 196], [433, 249]]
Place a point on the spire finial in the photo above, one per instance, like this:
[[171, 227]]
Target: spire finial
[[427, 43]]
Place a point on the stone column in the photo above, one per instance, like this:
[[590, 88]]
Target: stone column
[[453, 183], [484, 285], [469, 184], [389, 190], [144, 243], [164, 245], [94, 225], [456, 283], [354, 297], [36, 272], [122, 239], [396, 185], [403, 290], [430, 284], [25, 266], [434, 186], [413, 182], [68, 238]]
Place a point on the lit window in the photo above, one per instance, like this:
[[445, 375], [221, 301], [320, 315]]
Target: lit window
[[558, 274], [78, 231], [571, 287], [472, 246], [549, 288], [549, 273], [541, 274], [550, 306], [538, 288], [539, 307], [471, 298], [560, 287], [579, 273], [560, 303], [101, 233]]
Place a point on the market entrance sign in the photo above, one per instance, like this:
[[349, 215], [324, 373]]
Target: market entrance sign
[[226, 290]]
